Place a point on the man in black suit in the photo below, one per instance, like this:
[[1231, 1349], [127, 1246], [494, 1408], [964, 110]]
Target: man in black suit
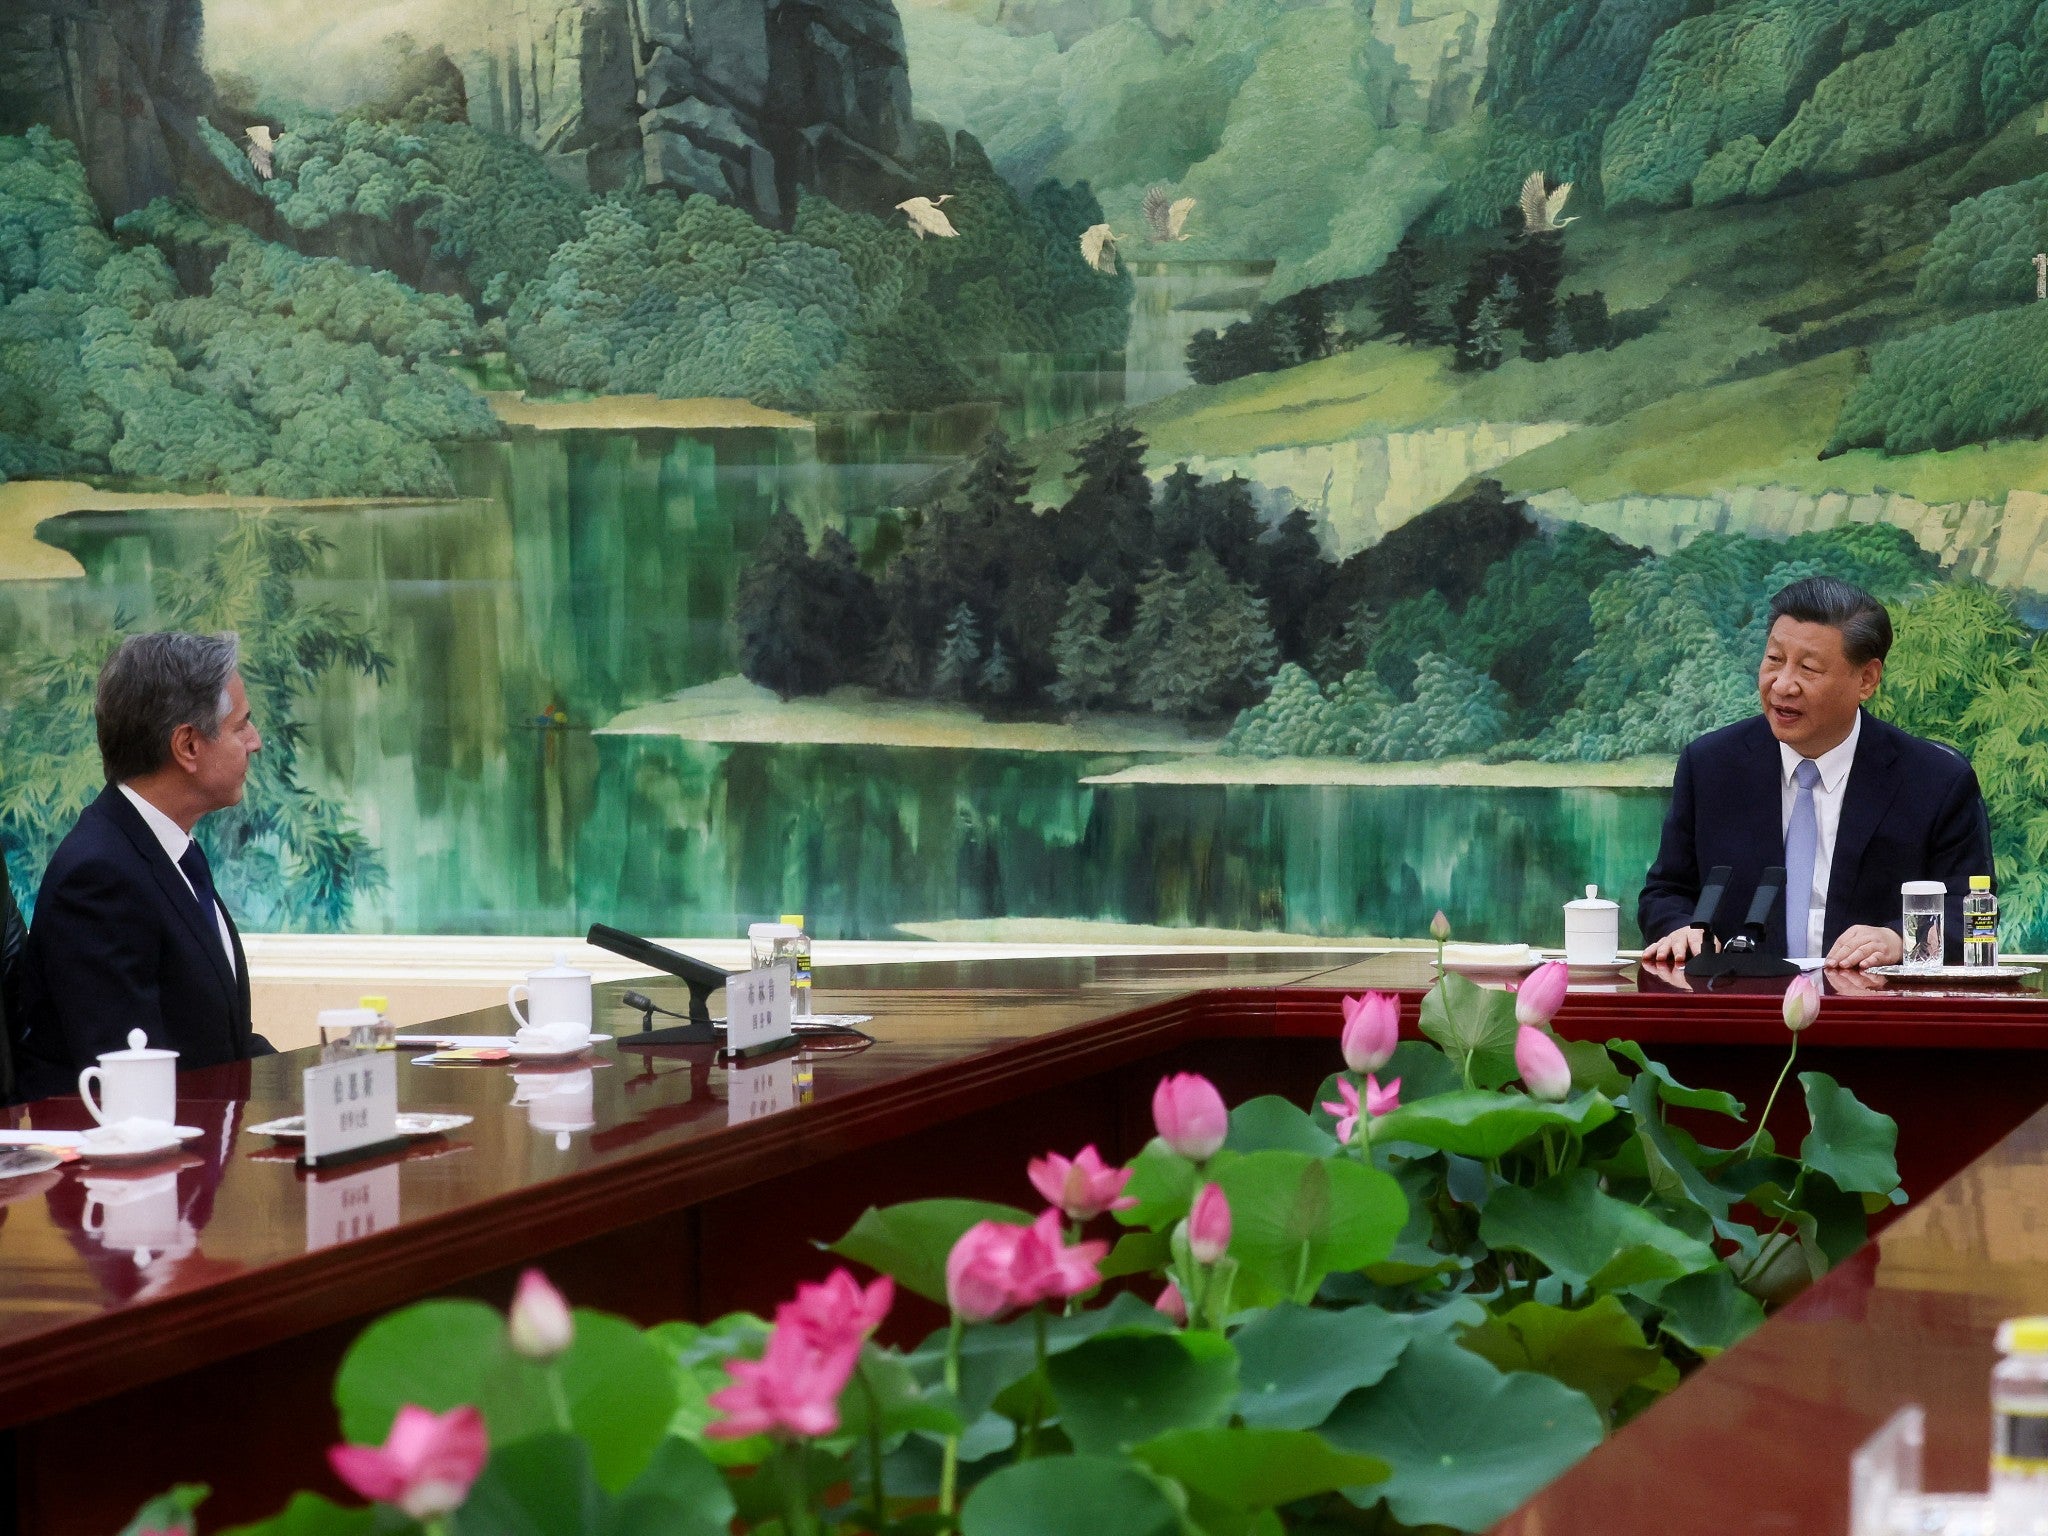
[[1851, 807], [128, 931]]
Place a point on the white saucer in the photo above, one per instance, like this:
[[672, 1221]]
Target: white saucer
[[1618, 963], [179, 1134], [552, 1052], [293, 1127]]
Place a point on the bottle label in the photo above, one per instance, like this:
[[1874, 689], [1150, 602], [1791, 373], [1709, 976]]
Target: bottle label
[[1980, 926], [2022, 1440]]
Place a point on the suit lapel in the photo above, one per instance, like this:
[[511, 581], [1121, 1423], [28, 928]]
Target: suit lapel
[[1872, 787], [171, 881]]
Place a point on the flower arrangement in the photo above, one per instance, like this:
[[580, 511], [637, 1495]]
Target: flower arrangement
[[1411, 1305]]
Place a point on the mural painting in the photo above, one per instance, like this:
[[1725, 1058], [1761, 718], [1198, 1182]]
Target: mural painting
[[1010, 468]]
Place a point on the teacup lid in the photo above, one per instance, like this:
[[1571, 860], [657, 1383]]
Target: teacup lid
[[1923, 888], [1591, 901], [561, 967], [139, 1049], [758, 931]]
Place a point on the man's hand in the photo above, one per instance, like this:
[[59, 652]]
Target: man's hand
[[1676, 947], [1861, 947]]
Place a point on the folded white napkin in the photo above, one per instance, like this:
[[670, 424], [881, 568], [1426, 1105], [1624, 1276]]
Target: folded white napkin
[[553, 1036], [128, 1136]]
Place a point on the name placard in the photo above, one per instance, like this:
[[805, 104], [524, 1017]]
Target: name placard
[[351, 1104], [757, 1009]]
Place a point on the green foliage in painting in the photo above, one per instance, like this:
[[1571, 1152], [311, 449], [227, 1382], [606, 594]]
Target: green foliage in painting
[[1968, 381], [1987, 249], [287, 857]]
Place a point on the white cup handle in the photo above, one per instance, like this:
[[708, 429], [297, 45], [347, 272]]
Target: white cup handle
[[94, 1207], [512, 1001], [93, 1075]]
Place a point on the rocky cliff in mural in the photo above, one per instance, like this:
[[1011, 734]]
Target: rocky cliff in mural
[[746, 100]]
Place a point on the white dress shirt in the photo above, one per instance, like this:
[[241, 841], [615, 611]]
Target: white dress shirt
[[1834, 765], [175, 841]]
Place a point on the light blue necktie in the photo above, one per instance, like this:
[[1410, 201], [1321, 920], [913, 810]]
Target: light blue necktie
[[1802, 843]]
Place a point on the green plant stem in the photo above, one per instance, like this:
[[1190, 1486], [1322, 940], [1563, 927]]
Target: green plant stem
[[1764, 1119], [558, 1398], [1028, 1449], [796, 1501], [876, 1494], [949, 1467]]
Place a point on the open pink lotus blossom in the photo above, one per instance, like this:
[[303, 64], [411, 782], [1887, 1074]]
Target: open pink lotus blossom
[[539, 1325], [1084, 1187], [1209, 1225], [793, 1389], [978, 1270], [1377, 1101], [1172, 1303], [1046, 1268], [1802, 1002], [424, 1466], [1190, 1115], [1541, 993], [1545, 1073], [1372, 1028]]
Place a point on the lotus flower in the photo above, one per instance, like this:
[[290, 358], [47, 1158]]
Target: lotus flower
[[1440, 927], [838, 1309], [792, 1390], [1209, 1225], [1045, 1268], [1545, 1073], [1802, 1002], [425, 1465], [1372, 1028], [1541, 993], [1190, 1116], [1172, 1303], [978, 1270], [1377, 1101], [1084, 1188], [539, 1325]]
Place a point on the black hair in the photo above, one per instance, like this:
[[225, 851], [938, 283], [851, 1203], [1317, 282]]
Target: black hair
[[1866, 627]]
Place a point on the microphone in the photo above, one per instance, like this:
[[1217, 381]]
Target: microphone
[[1767, 891], [1709, 905]]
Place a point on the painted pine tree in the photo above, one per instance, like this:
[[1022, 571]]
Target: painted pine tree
[[1082, 650], [959, 654]]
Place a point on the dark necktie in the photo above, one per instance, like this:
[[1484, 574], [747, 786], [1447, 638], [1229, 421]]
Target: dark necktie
[[193, 862]]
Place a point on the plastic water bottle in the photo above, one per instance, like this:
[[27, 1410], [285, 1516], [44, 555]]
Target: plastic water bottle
[[2019, 1429], [384, 1033], [1980, 923], [796, 949]]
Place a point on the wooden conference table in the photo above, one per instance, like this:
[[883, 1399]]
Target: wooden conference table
[[182, 1322]]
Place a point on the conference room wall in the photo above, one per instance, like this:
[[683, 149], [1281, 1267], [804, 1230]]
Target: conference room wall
[[551, 508]]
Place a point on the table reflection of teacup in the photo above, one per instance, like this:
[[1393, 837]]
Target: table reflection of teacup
[[134, 1215], [557, 1101]]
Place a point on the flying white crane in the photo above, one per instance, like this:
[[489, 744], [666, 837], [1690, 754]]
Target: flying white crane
[[260, 145], [925, 218], [2041, 274], [1540, 210], [1098, 248], [1166, 218]]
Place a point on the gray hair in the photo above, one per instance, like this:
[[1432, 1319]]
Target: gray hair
[[153, 684], [1866, 628]]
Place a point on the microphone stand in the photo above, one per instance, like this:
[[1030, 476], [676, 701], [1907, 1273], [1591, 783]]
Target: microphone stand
[[1745, 955]]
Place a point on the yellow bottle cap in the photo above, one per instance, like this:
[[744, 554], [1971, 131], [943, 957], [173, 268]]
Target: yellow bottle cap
[[1980, 882], [794, 919], [2023, 1335], [378, 1004]]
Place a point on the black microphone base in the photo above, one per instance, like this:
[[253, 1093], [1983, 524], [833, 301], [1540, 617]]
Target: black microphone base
[[1738, 962], [675, 1034]]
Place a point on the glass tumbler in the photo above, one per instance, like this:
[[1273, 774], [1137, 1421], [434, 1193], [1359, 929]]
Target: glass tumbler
[[1925, 901]]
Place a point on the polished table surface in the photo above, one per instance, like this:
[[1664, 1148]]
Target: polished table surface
[[109, 1279]]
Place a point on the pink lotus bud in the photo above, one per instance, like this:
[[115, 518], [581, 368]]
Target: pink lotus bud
[[1440, 927], [1380, 1101], [838, 1311], [1802, 1002], [978, 1270], [425, 1465], [793, 1389], [539, 1326], [1372, 1028], [1209, 1225], [1190, 1116], [1346, 1112], [1544, 1070], [1044, 1268], [1084, 1188], [1541, 993], [1172, 1303]]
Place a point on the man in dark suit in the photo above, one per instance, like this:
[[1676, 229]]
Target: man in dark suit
[[1852, 808], [128, 931]]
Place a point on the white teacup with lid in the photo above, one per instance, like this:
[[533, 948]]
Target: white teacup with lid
[[1592, 929], [140, 1083], [558, 995]]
